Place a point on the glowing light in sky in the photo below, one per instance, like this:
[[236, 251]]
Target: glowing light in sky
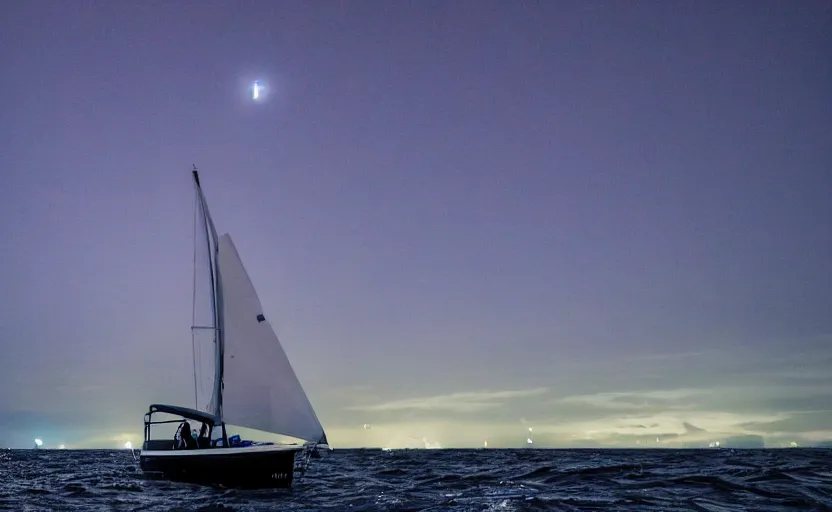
[[128, 445], [256, 89], [62, 447], [38, 442]]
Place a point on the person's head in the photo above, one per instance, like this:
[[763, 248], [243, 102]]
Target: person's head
[[186, 427]]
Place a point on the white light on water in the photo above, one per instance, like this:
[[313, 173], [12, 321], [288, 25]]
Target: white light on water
[[62, 447], [38, 442]]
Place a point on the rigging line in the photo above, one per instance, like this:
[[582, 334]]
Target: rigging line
[[193, 302], [198, 362], [305, 464]]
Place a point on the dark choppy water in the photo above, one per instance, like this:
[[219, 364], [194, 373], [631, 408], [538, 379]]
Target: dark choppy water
[[439, 480]]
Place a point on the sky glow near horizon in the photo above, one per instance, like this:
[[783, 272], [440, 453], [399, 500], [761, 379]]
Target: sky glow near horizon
[[606, 222]]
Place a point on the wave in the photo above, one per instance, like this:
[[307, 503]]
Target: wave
[[454, 480]]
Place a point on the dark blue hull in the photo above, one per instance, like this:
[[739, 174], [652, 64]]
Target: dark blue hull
[[253, 467]]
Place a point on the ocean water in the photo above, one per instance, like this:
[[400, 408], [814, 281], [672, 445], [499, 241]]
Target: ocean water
[[444, 480]]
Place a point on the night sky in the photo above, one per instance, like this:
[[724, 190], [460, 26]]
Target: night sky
[[607, 221]]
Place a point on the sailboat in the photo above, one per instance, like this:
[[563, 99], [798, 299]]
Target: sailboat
[[250, 382]]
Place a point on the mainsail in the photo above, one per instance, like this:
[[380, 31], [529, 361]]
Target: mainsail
[[244, 377], [205, 327]]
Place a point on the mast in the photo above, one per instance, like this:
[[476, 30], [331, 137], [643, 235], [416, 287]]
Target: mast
[[216, 300]]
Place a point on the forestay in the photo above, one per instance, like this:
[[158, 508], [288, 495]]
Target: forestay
[[260, 388]]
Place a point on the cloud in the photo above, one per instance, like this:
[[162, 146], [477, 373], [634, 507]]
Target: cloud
[[692, 428], [464, 402], [639, 426], [663, 399], [682, 414], [673, 428], [668, 356], [797, 422], [687, 398], [737, 399]]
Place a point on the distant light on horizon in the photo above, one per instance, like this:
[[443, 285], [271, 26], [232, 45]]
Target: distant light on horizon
[[61, 447], [128, 445]]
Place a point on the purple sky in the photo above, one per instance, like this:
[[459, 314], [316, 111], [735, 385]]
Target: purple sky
[[610, 221]]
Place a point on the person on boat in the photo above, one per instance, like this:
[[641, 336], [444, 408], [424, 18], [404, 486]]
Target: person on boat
[[179, 441], [186, 439], [203, 440]]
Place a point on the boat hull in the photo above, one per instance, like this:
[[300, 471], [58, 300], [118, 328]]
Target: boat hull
[[249, 467]]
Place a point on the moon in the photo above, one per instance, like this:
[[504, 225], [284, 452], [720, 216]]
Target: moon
[[258, 90]]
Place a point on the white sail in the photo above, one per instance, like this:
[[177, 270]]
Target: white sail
[[205, 322], [260, 388]]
